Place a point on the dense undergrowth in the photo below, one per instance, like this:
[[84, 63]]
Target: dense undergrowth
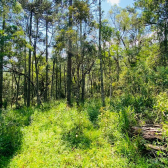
[[59, 136], [56, 135]]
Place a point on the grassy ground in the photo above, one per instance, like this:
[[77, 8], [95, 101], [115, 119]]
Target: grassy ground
[[59, 136]]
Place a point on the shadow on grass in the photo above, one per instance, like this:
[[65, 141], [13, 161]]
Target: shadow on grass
[[11, 123], [10, 132], [9, 144]]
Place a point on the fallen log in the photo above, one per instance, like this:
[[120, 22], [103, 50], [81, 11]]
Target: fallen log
[[156, 148], [149, 132]]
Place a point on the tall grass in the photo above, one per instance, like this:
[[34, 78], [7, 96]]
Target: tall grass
[[59, 136]]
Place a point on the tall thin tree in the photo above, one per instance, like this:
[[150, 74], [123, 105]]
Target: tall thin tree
[[69, 63], [100, 57]]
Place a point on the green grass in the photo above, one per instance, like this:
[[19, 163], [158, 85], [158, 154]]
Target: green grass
[[59, 136]]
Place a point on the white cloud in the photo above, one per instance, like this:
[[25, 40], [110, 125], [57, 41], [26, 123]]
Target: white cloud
[[112, 2]]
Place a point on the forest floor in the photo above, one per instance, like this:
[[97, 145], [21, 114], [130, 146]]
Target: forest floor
[[56, 136]]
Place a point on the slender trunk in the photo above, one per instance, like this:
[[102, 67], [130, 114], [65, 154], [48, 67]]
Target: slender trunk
[[32, 88], [110, 74], [52, 84], [87, 91], [12, 90], [91, 84], [1, 63], [165, 45], [17, 90], [56, 79], [25, 79], [78, 86], [100, 57], [104, 69], [78, 66], [36, 66], [60, 83], [46, 92], [69, 63], [83, 75], [90, 79], [18, 85], [118, 65], [29, 72], [64, 81], [83, 85]]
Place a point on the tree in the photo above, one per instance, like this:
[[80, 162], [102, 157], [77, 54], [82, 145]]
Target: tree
[[48, 19], [100, 56], [69, 61], [4, 9], [155, 15]]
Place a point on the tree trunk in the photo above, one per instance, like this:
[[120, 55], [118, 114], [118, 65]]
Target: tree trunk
[[25, 79], [83, 85], [32, 88], [46, 92], [100, 57], [30, 34], [36, 66], [110, 74], [83, 75], [78, 65], [118, 64], [64, 81], [1, 64], [60, 89], [52, 84], [17, 90], [149, 132], [78, 86], [165, 45], [69, 63], [91, 77], [56, 79], [12, 90]]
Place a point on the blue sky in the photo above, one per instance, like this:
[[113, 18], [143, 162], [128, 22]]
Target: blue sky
[[106, 4]]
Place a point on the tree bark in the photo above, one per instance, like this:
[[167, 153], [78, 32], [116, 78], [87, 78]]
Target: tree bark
[[83, 85], [36, 66], [118, 65], [56, 91], [32, 88], [64, 80], [149, 132], [110, 74], [69, 63], [52, 83], [78, 86], [165, 45], [29, 72], [17, 90], [100, 57], [25, 80], [12, 90], [46, 92], [60, 88], [1, 64]]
